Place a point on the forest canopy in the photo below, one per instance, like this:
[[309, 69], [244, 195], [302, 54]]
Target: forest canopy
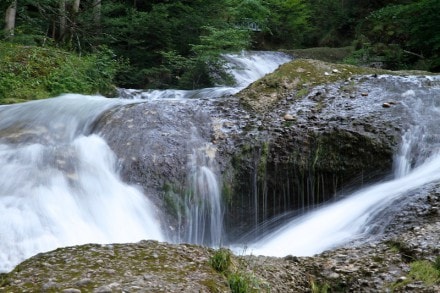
[[161, 44]]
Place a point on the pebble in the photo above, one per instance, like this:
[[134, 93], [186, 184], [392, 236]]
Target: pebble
[[289, 117], [71, 290], [103, 289], [83, 282]]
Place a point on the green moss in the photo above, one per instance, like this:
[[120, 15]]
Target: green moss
[[4, 279], [299, 77], [212, 285], [402, 248], [302, 92], [173, 199], [227, 191], [262, 163], [327, 54]]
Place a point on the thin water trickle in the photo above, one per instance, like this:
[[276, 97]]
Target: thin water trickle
[[203, 204]]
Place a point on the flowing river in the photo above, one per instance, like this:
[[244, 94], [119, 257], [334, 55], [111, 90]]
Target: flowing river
[[61, 182], [416, 164]]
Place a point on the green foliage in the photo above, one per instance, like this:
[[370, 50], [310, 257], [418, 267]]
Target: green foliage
[[238, 283], [404, 35], [425, 271], [288, 22], [29, 72], [221, 260], [421, 271], [240, 279], [254, 10], [245, 282], [177, 43], [4, 280], [319, 288], [204, 67]]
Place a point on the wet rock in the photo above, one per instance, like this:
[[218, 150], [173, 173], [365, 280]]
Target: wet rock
[[341, 140]]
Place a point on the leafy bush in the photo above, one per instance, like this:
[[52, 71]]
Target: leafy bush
[[404, 36], [31, 72]]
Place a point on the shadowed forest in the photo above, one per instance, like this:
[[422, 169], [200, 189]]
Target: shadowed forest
[[87, 46]]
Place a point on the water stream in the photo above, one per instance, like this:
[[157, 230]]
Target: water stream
[[60, 184], [203, 203], [416, 164]]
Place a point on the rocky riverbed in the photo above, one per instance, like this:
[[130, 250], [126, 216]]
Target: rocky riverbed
[[390, 263], [308, 133]]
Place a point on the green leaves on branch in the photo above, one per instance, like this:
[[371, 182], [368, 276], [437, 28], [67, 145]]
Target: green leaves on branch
[[405, 35], [215, 41], [205, 67]]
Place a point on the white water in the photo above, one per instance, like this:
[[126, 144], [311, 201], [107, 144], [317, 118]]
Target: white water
[[338, 223], [246, 68], [63, 190], [59, 184], [341, 222], [203, 204]]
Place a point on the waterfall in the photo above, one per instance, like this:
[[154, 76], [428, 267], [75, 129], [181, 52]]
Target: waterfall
[[202, 204], [417, 163], [59, 184], [245, 67]]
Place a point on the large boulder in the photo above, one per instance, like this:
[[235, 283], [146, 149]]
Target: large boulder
[[305, 134]]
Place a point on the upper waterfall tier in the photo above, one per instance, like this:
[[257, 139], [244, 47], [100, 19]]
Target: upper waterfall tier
[[246, 68]]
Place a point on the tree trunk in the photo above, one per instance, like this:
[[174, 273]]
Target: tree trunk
[[75, 7], [97, 12], [63, 19], [11, 12]]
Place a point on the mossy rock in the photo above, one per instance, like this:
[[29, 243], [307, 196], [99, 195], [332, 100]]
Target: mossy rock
[[297, 78]]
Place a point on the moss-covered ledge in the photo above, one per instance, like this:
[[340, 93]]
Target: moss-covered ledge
[[298, 77]]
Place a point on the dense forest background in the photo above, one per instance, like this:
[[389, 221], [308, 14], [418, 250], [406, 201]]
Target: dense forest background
[[162, 44]]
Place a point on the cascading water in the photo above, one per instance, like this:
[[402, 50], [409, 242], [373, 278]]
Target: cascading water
[[201, 209], [416, 164], [246, 68], [60, 185], [202, 204]]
